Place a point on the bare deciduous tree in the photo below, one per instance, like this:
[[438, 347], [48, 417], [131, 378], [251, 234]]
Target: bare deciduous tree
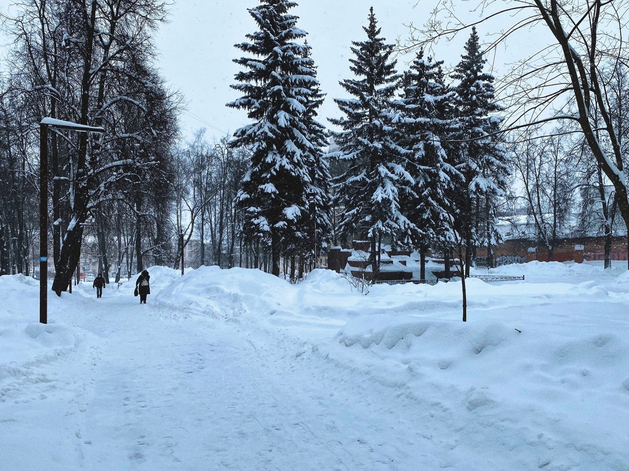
[[563, 79], [546, 170], [89, 62]]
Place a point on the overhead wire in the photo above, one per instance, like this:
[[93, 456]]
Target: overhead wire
[[203, 121]]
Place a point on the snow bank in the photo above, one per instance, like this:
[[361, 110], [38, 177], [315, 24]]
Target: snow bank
[[540, 369], [223, 294], [556, 270], [528, 343], [25, 342]]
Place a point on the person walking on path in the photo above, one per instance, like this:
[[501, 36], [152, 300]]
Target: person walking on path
[[99, 284], [142, 286]]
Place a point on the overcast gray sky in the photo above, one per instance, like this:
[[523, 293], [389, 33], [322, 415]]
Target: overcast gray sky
[[196, 49]]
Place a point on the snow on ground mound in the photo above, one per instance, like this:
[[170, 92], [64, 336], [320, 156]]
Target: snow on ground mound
[[623, 279], [568, 271], [244, 295], [326, 281], [561, 354], [161, 277], [224, 294], [23, 340], [554, 344]]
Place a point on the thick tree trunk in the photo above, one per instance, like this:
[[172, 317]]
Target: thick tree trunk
[[221, 229], [379, 254], [488, 229], [375, 265], [422, 263], [119, 241], [467, 256], [139, 264], [464, 298], [232, 246], [71, 247], [275, 254], [302, 268], [3, 252], [119, 265], [608, 248], [102, 255], [68, 259], [202, 238]]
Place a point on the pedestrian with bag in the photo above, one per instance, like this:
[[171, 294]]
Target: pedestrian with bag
[[142, 286], [99, 284]]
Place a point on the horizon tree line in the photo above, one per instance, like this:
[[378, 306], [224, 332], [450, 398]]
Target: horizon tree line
[[419, 160]]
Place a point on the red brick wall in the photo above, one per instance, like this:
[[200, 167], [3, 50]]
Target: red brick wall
[[593, 249]]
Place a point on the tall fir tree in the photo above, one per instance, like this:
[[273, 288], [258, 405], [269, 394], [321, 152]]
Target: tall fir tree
[[424, 118], [369, 188], [318, 224], [478, 154], [279, 88]]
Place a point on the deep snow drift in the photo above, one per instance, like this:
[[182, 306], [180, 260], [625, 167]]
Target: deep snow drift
[[236, 369]]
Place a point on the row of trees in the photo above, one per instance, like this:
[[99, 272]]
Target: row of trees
[[88, 62], [425, 166], [131, 197], [418, 162], [209, 178], [574, 82], [564, 192]]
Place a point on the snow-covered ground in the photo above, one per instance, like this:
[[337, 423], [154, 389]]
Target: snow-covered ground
[[236, 369]]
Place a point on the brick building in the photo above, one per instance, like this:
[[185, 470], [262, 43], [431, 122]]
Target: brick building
[[568, 249]]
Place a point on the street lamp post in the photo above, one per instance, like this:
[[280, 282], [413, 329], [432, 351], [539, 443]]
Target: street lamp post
[[181, 243], [43, 203]]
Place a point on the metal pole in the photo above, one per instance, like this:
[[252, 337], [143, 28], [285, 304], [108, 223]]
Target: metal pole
[[43, 223], [181, 242], [43, 204]]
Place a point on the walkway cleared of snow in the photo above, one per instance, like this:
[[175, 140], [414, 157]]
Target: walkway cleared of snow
[[236, 369]]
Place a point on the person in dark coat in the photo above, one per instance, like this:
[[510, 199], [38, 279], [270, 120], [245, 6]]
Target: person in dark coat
[[99, 284], [143, 286]]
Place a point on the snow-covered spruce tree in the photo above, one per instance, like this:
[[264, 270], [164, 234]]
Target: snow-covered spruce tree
[[424, 118], [368, 191], [476, 152], [279, 89], [317, 226]]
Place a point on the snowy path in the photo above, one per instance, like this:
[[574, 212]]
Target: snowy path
[[155, 394], [195, 396]]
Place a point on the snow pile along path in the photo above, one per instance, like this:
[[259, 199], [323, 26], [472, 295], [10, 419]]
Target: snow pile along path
[[236, 369]]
